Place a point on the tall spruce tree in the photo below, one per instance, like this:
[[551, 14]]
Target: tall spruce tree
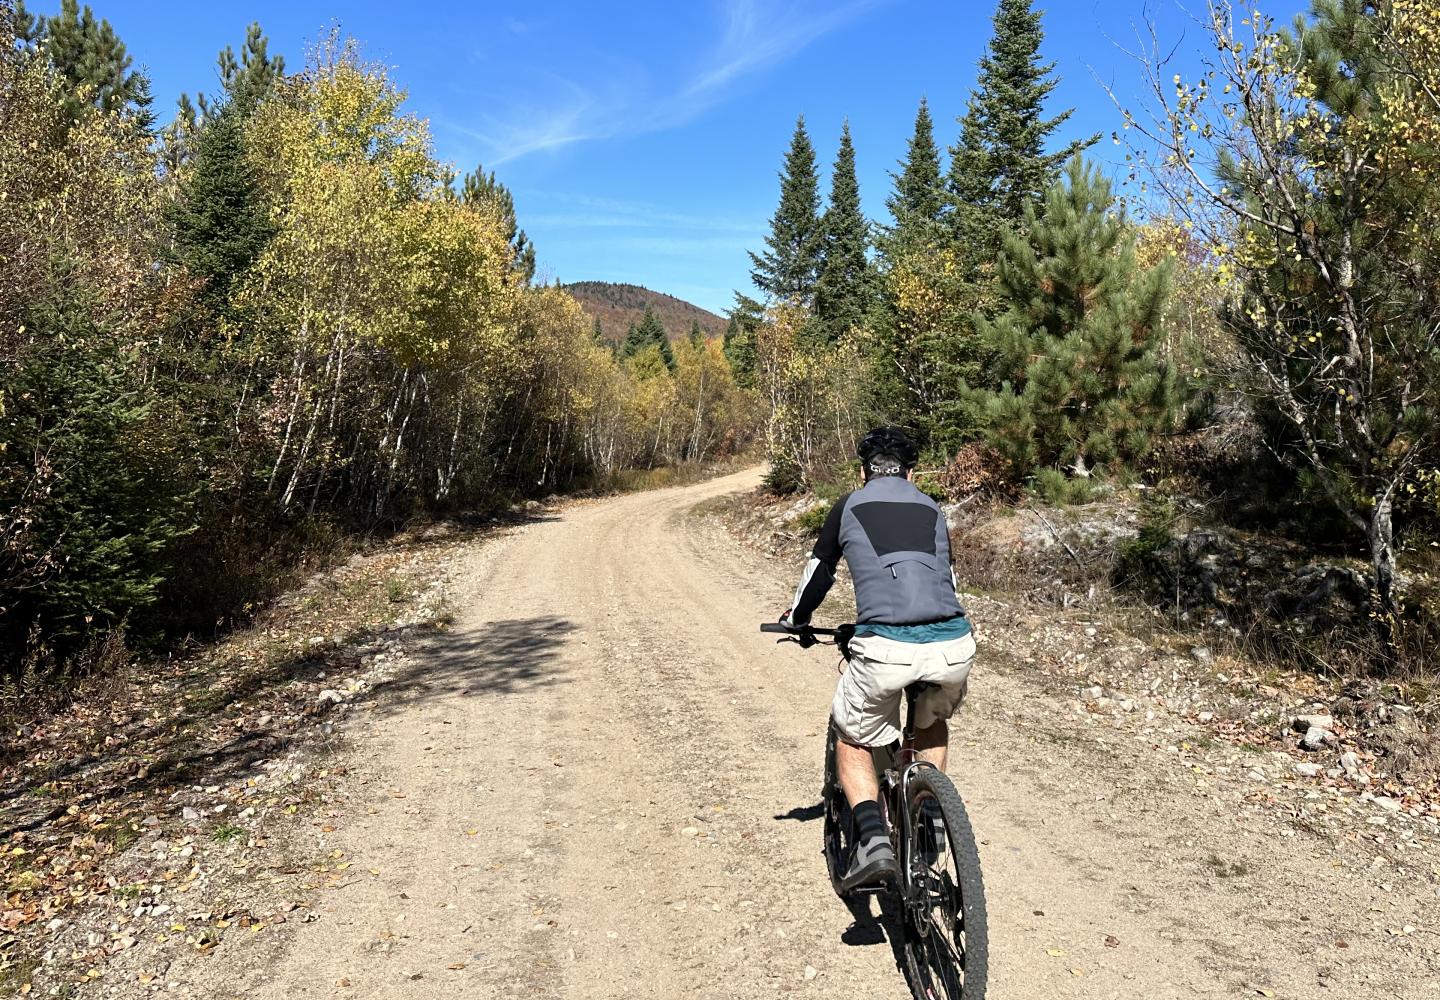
[[918, 201], [480, 188], [1083, 382], [90, 57], [649, 332], [745, 318], [846, 285], [788, 268], [697, 336], [999, 165], [220, 220]]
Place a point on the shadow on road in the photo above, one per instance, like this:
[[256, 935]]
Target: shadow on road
[[870, 929], [803, 814], [867, 928], [502, 658]]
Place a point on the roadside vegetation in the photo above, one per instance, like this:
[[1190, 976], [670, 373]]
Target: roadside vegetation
[[1231, 353], [234, 342]]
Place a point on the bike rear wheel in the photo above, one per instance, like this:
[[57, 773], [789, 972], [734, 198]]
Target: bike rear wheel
[[946, 934], [837, 816]]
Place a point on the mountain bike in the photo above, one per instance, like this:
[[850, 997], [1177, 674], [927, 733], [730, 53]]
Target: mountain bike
[[938, 891]]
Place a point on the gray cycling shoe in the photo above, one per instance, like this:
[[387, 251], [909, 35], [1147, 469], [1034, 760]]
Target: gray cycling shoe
[[872, 863]]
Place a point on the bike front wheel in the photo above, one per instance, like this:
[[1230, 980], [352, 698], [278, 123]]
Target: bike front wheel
[[946, 934]]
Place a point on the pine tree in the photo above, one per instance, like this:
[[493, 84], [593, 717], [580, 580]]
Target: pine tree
[[1084, 385], [846, 285], [220, 220], [788, 268], [918, 201], [999, 164], [697, 336], [90, 57], [247, 80], [480, 188]]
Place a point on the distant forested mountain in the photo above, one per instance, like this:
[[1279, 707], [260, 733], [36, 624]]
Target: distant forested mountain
[[617, 305]]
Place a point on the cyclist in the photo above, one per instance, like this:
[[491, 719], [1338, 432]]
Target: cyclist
[[909, 627]]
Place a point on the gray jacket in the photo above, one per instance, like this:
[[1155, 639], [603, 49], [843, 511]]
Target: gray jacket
[[896, 544]]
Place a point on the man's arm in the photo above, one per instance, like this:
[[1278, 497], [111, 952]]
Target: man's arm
[[819, 572]]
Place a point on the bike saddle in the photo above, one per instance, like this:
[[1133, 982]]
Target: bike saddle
[[918, 688]]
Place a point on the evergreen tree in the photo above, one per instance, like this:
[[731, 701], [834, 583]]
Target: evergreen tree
[[1084, 385], [918, 201], [649, 332], [846, 285], [177, 138], [247, 80], [480, 188], [597, 332], [745, 319], [220, 220], [788, 268], [697, 336], [999, 164], [90, 57]]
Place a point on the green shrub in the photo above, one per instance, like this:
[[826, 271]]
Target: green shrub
[[93, 491], [1060, 490], [1138, 559], [810, 522], [784, 477]]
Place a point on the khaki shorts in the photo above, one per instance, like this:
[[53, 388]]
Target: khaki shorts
[[867, 701]]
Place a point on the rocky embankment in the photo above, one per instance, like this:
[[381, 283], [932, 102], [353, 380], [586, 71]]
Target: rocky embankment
[[1347, 761]]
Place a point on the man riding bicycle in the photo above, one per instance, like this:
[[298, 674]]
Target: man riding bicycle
[[910, 627]]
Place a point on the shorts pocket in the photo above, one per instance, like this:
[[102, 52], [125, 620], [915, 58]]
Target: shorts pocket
[[961, 650], [879, 649]]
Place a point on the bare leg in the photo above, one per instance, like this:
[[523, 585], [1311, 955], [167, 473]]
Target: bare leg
[[931, 742], [857, 773]]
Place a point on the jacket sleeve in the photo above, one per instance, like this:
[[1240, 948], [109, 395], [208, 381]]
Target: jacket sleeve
[[819, 572]]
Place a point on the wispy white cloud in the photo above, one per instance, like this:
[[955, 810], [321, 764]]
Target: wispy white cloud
[[581, 211], [518, 26], [755, 36]]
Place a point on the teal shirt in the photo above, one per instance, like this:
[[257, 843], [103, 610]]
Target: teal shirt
[[951, 628]]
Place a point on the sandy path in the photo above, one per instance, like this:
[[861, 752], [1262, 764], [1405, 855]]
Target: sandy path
[[529, 795]]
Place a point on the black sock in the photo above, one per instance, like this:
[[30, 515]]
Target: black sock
[[867, 820]]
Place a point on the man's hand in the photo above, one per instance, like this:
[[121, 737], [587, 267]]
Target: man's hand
[[805, 639]]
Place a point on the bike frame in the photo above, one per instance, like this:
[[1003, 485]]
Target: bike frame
[[894, 775], [895, 792]]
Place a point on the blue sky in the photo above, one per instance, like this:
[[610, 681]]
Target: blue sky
[[642, 139]]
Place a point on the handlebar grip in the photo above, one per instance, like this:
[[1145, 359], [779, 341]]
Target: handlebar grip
[[777, 627]]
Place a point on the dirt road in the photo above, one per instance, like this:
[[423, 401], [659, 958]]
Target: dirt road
[[602, 781]]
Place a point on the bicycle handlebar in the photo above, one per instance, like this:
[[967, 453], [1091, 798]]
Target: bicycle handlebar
[[782, 629]]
